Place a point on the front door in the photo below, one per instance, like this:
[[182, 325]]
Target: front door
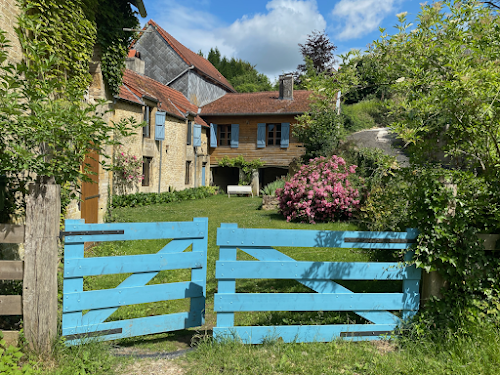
[[203, 174], [90, 190]]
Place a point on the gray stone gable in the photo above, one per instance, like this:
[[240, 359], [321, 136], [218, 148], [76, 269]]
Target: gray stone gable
[[163, 64]]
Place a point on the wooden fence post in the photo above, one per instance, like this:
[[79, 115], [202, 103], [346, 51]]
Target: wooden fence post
[[43, 208]]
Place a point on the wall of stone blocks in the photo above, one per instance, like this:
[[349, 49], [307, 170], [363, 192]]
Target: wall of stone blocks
[[9, 12], [174, 154]]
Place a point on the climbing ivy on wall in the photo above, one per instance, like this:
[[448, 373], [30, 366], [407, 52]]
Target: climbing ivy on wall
[[69, 30]]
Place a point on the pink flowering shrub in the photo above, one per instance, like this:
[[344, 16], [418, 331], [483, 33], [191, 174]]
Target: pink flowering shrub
[[319, 191], [128, 166]]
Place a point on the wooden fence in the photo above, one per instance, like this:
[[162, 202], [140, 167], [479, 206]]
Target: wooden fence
[[40, 234], [11, 270]]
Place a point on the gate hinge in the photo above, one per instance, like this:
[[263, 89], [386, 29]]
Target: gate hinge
[[90, 232]]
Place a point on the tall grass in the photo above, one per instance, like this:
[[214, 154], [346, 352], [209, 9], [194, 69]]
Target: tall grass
[[366, 114]]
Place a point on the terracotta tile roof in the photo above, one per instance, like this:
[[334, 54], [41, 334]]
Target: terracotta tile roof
[[137, 86], [191, 58], [131, 53], [258, 103]]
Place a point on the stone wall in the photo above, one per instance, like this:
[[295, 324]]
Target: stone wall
[[174, 151], [9, 12]]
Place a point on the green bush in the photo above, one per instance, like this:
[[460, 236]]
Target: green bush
[[270, 189], [365, 115], [145, 199]]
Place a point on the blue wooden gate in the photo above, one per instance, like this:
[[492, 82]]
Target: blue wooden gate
[[318, 276], [100, 304]]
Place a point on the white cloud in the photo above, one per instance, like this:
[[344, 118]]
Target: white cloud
[[269, 39], [360, 17]]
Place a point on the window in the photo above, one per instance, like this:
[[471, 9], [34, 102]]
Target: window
[[146, 169], [146, 132], [273, 134], [223, 135], [190, 126], [188, 172]]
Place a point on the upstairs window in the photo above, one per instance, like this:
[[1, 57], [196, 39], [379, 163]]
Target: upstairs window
[[273, 134], [146, 130], [224, 135]]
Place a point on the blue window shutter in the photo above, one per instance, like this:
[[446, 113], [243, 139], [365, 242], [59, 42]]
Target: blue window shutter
[[261, 135], [285, 134], [213, 135], [235, 135], [160, 126], [197, 135]]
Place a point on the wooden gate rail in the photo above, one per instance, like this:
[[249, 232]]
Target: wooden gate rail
[[101, 304], [11, 270], [318, 276]]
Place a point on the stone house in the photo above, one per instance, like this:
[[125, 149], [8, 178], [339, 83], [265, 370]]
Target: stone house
[[172, 144], [171, 63], [258, 126]]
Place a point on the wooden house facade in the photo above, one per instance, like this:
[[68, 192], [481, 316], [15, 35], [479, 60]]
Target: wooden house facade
[[257, 126]]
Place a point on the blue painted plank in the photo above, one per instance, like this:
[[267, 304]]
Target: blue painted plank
[[132, 327], [312, 333], [309, 302], [197, 305], [131, 264], [98, 316], [226, 319], [306, 238], [378, 317], [411, 287], [72, 251], [100, 299], [137, 231], [313, 270]]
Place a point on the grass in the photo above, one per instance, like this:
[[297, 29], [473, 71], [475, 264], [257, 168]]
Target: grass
[[473, 354]]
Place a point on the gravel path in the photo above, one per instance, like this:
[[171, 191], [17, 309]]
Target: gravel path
[[380, 138]]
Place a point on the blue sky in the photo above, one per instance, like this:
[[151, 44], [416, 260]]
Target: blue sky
[[267, 32]]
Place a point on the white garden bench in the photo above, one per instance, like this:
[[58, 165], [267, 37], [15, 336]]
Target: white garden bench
[[236, 189]]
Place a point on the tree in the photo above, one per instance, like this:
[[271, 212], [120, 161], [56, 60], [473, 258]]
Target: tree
[[318, 56], [242, 75], [371, 77], [46, 128], [449, 84]]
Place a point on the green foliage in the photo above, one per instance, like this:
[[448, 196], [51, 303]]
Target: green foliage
[[145, 199], [270, 189], [242, 75], [64, 29], [365, 114], [448, 223], [320, 131], [447, 73], [247, 166], [46, 129], [371, 77], [321, 128], [12, 361], [69, 30], [111, 17]]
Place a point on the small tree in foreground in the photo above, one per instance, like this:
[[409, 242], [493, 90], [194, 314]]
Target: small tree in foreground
[[319, 191]]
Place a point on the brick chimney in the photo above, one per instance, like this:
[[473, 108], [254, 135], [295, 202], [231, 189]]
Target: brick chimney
[[134, 62], [286, 87]]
